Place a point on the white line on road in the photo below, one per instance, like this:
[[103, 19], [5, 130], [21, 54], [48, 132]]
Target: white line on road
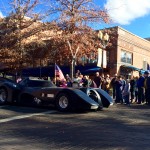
[[26, 116]]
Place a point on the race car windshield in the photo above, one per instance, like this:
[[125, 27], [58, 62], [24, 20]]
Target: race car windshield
[[36, 83]]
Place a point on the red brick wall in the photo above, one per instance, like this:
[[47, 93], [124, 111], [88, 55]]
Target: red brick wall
[[140, 48]]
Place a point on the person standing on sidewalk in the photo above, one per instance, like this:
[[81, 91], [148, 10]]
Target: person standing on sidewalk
[[136, 90], [126, 92], [148, 90], [119, 85], [140, 86], [132, 88], [147, 86], [106, 84], [113, 85], [68, 80], [98, 80]]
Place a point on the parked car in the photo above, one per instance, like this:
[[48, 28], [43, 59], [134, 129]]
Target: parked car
[[33, 91]]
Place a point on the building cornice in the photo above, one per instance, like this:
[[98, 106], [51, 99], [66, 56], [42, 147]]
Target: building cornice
[[130, 40], [136, 44], [133, 34]]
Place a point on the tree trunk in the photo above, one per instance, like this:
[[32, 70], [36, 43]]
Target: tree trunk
[[72, 68]]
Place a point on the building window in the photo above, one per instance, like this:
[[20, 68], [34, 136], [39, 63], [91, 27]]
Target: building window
[[84, 59], [126, 57], [92, 58], [87, 59], [145, 65]]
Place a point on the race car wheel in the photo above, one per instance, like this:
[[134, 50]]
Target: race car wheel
[[3, 96], [63, 102], [93, 94]]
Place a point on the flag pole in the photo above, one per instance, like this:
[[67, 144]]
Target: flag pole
[[55, 73]]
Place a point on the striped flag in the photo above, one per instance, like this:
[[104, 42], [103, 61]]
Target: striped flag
[[102, 56], [99, 62], [58, 73], [104, 59]]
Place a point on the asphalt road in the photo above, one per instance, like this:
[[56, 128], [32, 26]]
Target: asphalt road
[[119, 127]]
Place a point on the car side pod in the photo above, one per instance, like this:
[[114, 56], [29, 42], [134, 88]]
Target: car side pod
[[86, 99], [94, 95], [105, 97]]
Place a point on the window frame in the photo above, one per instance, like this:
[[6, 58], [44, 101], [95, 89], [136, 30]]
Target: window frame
[[128, 57]]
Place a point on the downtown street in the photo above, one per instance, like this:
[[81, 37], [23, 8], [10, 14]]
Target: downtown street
[[119, 127]]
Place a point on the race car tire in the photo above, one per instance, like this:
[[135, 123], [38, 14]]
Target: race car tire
[[3, 96], [63, 102]]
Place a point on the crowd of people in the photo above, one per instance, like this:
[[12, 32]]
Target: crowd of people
[[122, 90]]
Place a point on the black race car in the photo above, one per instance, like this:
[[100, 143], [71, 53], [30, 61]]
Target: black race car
[[43, 92]]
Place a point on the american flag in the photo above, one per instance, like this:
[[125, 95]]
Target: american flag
[[58, 73]]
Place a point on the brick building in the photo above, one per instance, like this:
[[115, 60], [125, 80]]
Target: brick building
[[129, 55]]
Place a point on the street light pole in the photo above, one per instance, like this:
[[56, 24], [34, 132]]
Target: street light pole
[[104, 38]]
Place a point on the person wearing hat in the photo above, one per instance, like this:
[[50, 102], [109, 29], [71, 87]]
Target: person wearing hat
[[147, 87]]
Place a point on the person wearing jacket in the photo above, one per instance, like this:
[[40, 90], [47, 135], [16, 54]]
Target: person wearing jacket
[[119, 85], [113, 85], [147, 87], [132, 88], [126, 92], [97, 80], [140, 86], [107, 83]]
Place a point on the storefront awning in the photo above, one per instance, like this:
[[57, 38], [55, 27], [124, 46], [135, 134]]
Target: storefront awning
[[92, 70], [131, 67]]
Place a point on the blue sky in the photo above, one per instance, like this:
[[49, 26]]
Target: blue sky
[[132, 15]]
